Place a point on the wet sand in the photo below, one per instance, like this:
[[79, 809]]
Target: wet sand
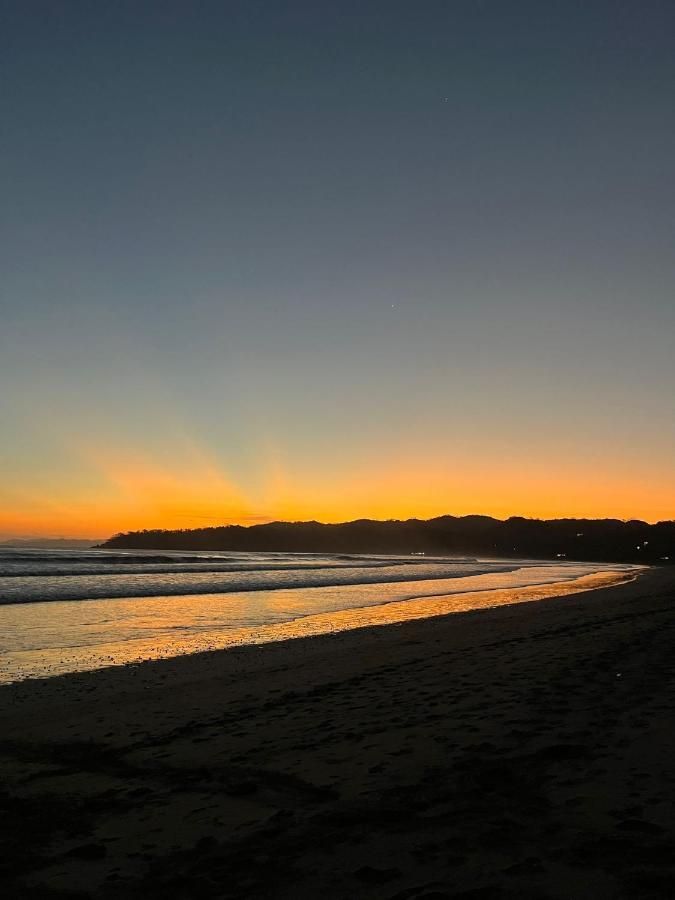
[[522, 751], [40, 640]]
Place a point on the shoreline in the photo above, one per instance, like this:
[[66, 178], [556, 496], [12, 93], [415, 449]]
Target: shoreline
[[30, 664], [525, 750]]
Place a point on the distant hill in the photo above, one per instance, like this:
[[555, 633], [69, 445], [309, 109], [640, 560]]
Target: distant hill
[[579, 539]]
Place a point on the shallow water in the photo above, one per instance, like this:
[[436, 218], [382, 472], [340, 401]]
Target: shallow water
[[172, 612]]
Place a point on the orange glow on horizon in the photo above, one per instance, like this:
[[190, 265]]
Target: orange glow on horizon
[[129, 492]]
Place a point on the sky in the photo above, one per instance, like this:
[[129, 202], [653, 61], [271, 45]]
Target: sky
[[318, 260]]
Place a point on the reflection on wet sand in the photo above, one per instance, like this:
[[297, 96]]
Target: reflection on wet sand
[[121, 632]]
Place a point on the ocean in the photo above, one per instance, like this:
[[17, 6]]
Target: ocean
[[73, 610]]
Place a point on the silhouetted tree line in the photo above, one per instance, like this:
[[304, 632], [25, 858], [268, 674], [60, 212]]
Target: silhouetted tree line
[[577, 539]]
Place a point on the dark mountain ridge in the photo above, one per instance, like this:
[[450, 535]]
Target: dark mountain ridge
[[580, 539]]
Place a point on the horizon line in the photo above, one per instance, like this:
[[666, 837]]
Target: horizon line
[[24, 538]]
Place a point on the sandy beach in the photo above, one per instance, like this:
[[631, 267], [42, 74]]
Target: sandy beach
[[522, 751]]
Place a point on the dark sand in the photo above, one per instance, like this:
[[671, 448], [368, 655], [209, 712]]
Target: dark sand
[[524, 751]]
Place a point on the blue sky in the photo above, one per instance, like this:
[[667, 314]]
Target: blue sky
[[346, 259]]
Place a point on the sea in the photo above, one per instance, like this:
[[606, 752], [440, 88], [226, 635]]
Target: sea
[[74, 610]]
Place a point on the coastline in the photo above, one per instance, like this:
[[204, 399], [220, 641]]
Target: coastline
[[523, 750], [70, 648]]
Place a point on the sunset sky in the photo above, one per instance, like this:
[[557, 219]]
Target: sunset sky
[[331, 260]]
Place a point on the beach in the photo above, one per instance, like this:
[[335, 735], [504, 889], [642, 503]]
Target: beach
[[519, 751], [89, 609]]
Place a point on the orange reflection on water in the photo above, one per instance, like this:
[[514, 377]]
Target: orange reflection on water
[[189, 624]]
